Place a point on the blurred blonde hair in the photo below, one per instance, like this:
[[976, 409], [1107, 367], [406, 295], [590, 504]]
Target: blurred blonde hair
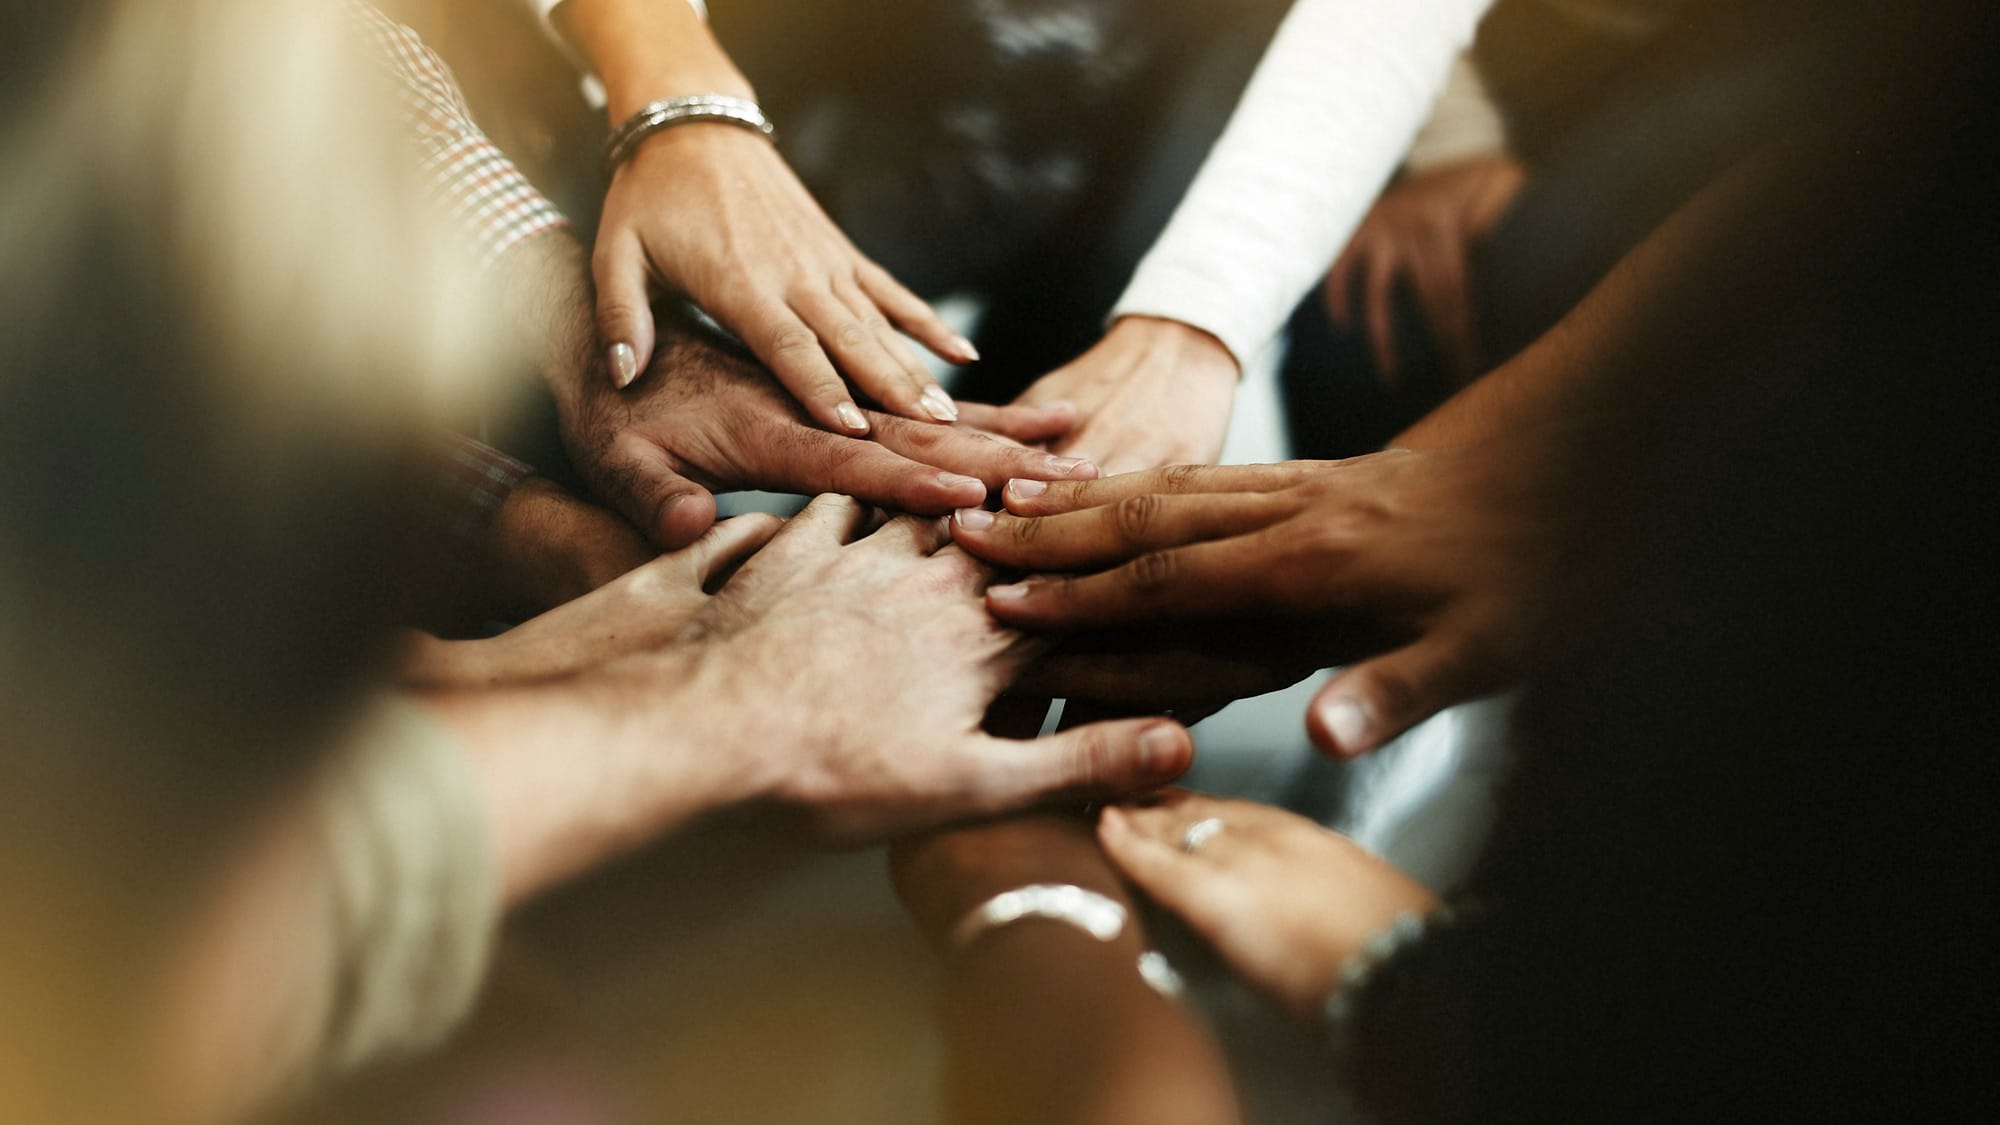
[[229, 319]]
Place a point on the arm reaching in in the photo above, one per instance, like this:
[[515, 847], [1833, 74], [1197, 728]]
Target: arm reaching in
[[840, 675], [712, 211], [1283, 900]]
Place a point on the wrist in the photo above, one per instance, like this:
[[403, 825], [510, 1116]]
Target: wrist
[[1176, 345], [643, 53], [943, 877]]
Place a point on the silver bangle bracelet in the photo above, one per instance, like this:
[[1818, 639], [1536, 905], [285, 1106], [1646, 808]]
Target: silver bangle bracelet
[[1093, 913], [654, 117]]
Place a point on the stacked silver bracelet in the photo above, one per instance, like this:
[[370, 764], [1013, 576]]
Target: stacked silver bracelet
[[665, 114]]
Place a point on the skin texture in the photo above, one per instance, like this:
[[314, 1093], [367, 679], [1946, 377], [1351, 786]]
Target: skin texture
[[712, 211], [1153, 392], [546, 547], [1419, 562], [708, 419], [1284, 901], [1422, 234], [638, 611], [756, 704]]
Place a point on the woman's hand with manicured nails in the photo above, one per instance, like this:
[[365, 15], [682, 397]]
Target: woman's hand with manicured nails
[[1284, 901], [712, 211]]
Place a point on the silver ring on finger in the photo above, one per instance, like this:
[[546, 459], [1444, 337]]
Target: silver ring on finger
[[1199, 833]]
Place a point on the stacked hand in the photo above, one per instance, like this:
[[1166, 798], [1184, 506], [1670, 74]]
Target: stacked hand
[[713, 212], [707, 417], [1153, 392], [857, 665], [641, 610], [1425, 558], [1283, 900]]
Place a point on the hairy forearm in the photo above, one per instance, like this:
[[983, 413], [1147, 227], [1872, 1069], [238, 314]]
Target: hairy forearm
[[544, 295], [644, 50], [577, 772]]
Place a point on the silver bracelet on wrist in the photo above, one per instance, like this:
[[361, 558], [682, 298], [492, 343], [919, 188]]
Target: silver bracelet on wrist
[[665, 114], [1086, 910], [1093, 913]]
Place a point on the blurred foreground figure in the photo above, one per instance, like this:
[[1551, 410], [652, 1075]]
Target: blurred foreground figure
[[235, 863]]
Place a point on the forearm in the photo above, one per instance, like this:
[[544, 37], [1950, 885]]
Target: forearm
[[1046, 1023], [580, 771], [644, 50]]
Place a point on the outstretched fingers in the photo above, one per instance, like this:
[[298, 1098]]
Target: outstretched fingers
[[1114, 533], [1201, 580], [1027, 497]]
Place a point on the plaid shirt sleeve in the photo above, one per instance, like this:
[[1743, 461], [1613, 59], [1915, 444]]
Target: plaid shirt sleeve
[[472, 481], [491, 202]]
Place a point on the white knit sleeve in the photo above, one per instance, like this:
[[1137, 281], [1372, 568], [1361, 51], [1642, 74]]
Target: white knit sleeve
[[1326, 119]]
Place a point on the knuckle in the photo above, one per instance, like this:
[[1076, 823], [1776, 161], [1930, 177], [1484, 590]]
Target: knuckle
[[851, 334], [1153, 573], [1134, 518], [792, 341], [1085, 764], [1180, 478]]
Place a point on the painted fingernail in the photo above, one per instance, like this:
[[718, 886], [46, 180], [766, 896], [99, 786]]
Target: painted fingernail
[[1158, 746], [975, 519], [1347, 722], [938, 405], [1010, 593], [1026, 489], [624, 365], [963, 351], [1072, 467], [850, 416]]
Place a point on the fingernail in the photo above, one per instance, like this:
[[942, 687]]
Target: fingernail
[[965, 352], [1013, 592], [1347, 722], [1026, 489], [939, 405], [1113, 820], [624, 365], [850, 416], [1157, 748], [1070, 467], [953, 480], [975, 519]]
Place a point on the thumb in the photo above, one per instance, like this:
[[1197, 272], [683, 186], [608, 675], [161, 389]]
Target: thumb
[[728, 543], [641, 482], [624, 311], [1369, 703], [1096, 761]]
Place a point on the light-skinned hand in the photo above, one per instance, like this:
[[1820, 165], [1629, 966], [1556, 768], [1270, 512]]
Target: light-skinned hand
[[1282, 900], [713, 212], [1153, 392]]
